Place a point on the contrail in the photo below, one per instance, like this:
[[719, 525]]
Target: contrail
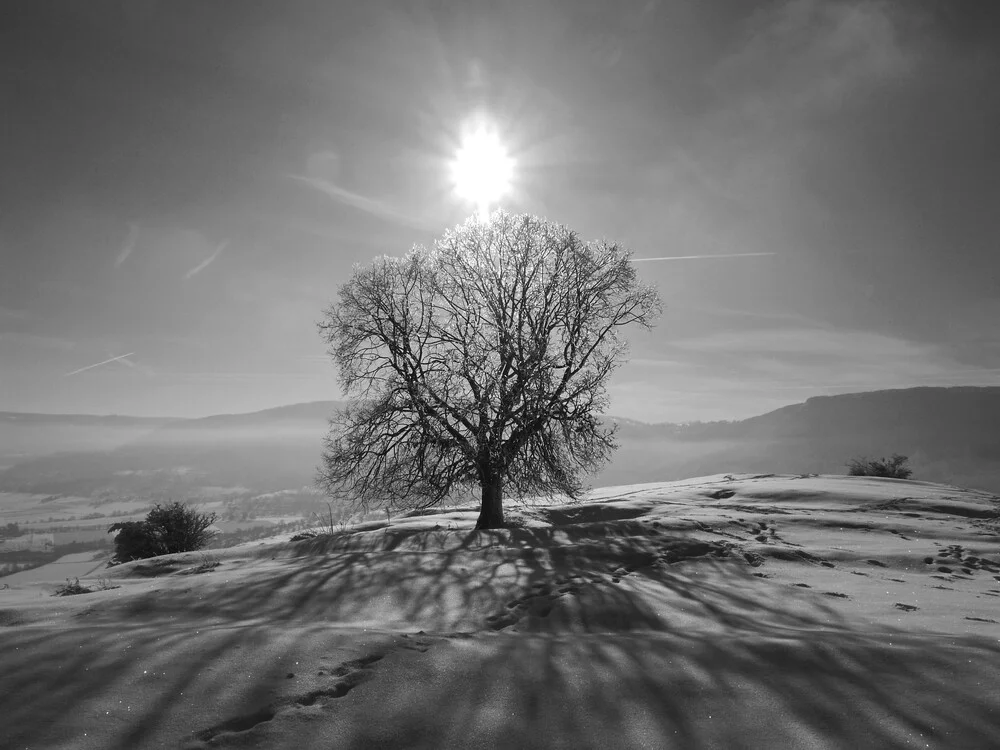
[[129, 245], [91, 367], [695, 257], [361, 202], [205, 263]]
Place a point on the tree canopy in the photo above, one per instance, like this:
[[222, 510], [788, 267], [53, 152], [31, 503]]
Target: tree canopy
[[482, 361]]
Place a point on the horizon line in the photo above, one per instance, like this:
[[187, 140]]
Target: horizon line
[[334, 400]]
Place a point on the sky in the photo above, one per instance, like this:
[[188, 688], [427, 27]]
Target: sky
[[188, 183]]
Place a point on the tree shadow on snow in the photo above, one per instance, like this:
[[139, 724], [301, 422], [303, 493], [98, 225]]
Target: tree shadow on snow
[[583, 635]]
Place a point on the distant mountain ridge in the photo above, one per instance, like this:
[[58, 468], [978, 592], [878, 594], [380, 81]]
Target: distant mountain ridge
[[953, 408], [950, 435], [25, 435], [306, 411]]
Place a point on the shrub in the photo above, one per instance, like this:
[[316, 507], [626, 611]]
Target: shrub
[[136, 540], [893, 468], [167, 529], [71, 588], [207, 563]]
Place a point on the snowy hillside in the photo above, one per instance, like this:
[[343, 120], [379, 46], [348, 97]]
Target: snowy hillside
[[753, 611]]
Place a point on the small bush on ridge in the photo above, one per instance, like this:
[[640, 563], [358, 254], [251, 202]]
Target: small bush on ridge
[[167, 529], [894, 468], [71, 588]]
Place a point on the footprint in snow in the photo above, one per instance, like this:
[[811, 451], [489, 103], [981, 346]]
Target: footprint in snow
[[346, 676]]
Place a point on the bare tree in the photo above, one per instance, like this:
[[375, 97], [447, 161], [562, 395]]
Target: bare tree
[[480, 362]]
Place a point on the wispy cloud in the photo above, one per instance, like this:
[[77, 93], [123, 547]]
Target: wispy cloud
[[38, 341], [699, 257], [800, 62], [804, 55], [10, 312], [129, 244], [371, 206], [100, 364], [737, 374], [793, 358], [208, 261], [251, 377], [722, 311], [143, 369]]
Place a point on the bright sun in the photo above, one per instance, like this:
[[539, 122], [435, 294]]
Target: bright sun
[[482, 169]]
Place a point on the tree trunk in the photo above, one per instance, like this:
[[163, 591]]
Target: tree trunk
[[491, 513]]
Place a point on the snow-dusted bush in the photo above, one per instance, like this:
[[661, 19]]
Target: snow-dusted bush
[[894, 467], [166, 530]]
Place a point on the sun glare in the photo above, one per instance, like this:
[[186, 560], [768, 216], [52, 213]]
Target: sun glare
[[482, 169]]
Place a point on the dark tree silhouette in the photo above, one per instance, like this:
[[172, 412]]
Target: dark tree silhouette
[[166, 529], [480, 362]]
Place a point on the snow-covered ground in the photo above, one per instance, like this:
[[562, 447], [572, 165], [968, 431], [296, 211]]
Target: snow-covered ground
[[752, 612], [75, 565]]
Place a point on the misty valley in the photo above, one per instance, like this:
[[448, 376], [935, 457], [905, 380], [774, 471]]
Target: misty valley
[[58, 494]]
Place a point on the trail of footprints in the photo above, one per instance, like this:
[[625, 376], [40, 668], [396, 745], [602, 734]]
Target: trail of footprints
[[538, 601], [765, 532], [345, 677], [953, 556], [945, 562]]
